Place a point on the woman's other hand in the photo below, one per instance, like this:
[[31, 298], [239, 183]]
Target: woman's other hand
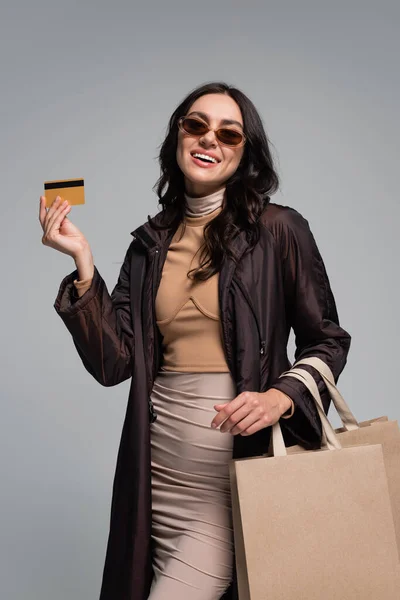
[[251, 411]]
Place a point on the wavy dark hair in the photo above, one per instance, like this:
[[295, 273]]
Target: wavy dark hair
[[247, 191]]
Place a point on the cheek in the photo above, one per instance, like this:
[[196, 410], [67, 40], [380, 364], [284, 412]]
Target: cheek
[[181, 150], [235, 159], [179, 154]]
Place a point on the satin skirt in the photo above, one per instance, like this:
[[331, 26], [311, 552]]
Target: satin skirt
[[192, 533]]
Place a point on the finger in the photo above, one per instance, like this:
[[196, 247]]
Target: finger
[[53, 208], [236, 417], [220, 406], [54, 205], [53, 228], [67, 211], [251, 428], [54, 221], [252, 420], [42, 210], [258, 425], [229, 409]]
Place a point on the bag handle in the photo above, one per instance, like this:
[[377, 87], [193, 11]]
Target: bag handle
[[348, 419], [329, 441]]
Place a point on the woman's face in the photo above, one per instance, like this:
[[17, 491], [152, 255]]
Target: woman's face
[[202, 178]]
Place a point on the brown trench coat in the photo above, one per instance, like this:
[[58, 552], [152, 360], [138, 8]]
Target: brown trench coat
[[281, 284]]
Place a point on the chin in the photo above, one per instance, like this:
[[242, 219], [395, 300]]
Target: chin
[[202, 176], [204, 181]]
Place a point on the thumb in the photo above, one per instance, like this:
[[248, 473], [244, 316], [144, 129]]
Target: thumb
[[220, 406]]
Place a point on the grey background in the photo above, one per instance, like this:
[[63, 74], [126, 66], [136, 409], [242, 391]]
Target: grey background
[[86, 91]]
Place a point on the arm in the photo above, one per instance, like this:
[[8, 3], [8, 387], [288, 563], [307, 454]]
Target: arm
[[311, 312], [100, 324]]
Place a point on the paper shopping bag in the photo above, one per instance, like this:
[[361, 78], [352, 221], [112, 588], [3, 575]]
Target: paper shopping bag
[[375, 431], [314, 525]]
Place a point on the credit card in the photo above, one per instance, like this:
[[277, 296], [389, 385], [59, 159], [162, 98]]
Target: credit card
[[69, 189]]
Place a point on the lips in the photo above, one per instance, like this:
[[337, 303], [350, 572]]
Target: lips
[[203, 164], [206, 153]]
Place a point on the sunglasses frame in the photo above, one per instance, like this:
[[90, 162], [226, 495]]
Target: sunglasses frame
[[242, 143]]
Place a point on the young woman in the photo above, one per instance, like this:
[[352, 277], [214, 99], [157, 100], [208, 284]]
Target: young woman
[[199, 319]]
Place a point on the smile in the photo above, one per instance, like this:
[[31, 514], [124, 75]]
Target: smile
[[204, 160]]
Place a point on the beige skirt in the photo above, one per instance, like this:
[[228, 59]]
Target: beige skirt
[[192, 523]]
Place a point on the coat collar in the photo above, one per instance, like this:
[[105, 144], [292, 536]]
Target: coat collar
[[151, 238]]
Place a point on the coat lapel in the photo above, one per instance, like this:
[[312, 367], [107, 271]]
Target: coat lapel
[[155, 245], [239, 247]]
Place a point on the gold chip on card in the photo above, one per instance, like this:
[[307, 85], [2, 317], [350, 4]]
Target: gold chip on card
[[68, 189]]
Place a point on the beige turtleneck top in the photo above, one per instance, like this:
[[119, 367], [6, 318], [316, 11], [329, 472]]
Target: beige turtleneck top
[[187, 312]]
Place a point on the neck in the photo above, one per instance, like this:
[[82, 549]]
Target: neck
[[199, 206]]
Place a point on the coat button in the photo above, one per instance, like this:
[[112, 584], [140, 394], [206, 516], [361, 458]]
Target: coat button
[[262, 348]]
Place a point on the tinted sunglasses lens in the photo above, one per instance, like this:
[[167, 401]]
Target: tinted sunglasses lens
[[194, 126], [230, 137]]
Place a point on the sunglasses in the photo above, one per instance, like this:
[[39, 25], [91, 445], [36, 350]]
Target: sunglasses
[[225, 135]]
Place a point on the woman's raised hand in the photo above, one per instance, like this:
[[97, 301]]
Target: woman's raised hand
[[58, 231]]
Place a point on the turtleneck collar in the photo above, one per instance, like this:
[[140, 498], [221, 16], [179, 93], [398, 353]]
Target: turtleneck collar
[[198, 207]]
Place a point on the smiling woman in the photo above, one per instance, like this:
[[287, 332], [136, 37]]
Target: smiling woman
[[199, 319]]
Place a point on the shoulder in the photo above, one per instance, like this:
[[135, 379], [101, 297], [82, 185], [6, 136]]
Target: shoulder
[[157, 219], [153, 231], [287, 226], [277, 216]]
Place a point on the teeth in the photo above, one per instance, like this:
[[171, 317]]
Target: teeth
[[205, 157]]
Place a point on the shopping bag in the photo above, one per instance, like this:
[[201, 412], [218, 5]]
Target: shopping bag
[[375, 431], [316, 524]]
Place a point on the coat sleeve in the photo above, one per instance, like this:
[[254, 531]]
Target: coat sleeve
[[311, 312], [100, 324]]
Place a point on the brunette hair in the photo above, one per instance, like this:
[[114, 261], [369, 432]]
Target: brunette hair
[[247, 191]]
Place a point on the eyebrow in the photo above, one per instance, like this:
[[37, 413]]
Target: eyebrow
[[223, 122]]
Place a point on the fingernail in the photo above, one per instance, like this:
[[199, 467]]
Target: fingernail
[[213, 425]]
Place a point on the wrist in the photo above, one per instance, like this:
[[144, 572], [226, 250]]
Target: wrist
[[84, 264], [282, 401], [288, 408]]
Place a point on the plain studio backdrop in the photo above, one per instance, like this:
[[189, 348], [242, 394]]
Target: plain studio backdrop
[[86, 91]]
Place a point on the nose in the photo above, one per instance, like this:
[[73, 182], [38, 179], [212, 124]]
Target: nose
[[208, 139]]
